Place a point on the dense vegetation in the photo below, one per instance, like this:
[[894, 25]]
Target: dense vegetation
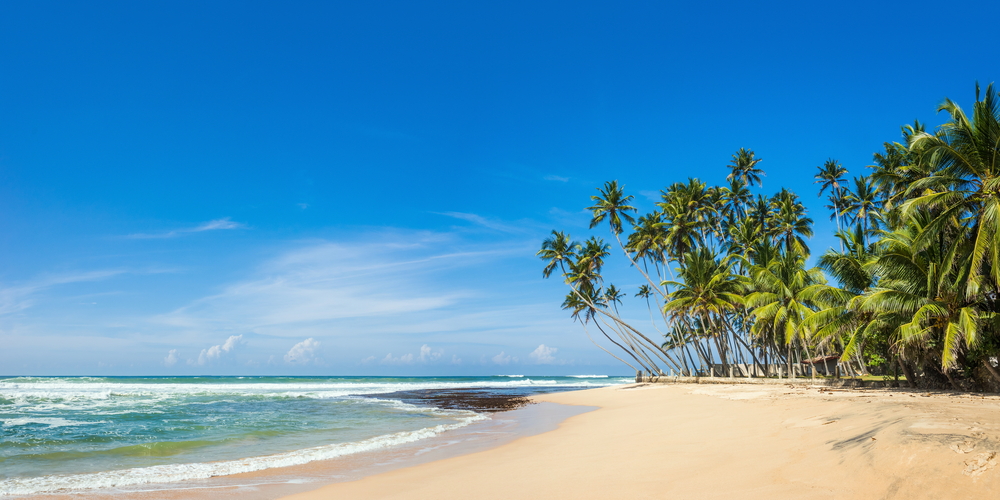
[[911, 290]]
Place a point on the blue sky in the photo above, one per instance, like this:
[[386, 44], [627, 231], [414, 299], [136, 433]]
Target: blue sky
[[359, 188]]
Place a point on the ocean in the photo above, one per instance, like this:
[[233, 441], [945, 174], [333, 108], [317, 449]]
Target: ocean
[[78, 434]]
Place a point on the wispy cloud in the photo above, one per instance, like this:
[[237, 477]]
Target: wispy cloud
[[19, 297], [491, 223], [324, 282], [556, 178], [426, 356], [212, 225]]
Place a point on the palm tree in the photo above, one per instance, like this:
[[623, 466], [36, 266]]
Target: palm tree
[[788, 222], [744, 168], [612, 204], [831, 176], [687, 210], [737, 198], [708, 291], [782, 298], [965, 186], [862, 205], [558, 250], [577, 305]]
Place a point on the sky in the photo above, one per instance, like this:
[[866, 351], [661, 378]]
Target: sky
[[359, 188]]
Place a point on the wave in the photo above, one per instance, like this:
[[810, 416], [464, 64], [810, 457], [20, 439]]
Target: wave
[[30, 392], [51, 422], [160, 474], [587, 376]]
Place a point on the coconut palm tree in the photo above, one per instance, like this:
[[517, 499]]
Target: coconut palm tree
[[862, 205], [558, 250], [612, 204], [744, 168], [965, 186], [708, 291], [782, 298], [789, 225], [831, 176]]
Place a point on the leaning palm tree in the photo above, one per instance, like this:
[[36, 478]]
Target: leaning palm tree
[[707, 292], [612, 204], [557, 249]]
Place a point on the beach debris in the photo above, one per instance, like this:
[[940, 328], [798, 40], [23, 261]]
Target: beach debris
[[964, 447], [982, 463]]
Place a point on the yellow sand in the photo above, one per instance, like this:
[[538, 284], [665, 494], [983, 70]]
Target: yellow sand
[[726, 441]]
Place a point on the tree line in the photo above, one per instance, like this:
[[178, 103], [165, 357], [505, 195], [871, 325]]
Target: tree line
[[911, 290]]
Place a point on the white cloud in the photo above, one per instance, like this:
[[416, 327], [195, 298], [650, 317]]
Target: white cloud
[[326, 282], [502, 359], [406, 359], [556, 178], [426, 355], [171, 358], [455, 360], [223, 223], [543, 355], [212, 225], [303, 352], [367, 361], [216, 351], [20, 297], [485, 222]]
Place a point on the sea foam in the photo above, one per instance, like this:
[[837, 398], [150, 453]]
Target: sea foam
[[180, 472]]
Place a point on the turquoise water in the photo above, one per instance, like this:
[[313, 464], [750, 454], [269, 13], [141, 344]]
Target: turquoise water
[[79, 433]]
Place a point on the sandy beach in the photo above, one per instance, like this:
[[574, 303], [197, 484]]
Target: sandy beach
[[725, 441]]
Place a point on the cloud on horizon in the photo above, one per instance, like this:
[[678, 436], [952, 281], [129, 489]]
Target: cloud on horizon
[[217, 351], [303, 352], [543, 355]]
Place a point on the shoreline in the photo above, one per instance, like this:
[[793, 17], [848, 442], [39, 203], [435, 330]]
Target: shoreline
[[500, 428], [717, 441]]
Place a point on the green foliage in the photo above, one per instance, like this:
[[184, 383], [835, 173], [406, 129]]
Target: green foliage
[[915, 278]]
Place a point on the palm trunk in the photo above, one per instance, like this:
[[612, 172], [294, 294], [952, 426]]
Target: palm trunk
[[605, 350]]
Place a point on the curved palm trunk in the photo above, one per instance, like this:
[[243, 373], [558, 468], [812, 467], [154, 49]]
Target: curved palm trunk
[[627, 351], [628, 255], [607, 351], [630, 342]]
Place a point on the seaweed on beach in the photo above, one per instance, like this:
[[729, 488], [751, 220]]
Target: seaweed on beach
[[474, 399]]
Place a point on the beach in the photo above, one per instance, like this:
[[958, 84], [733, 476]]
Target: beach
[[725, 441], [253, 437]]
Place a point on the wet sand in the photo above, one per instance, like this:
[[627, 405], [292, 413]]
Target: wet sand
[[725, 441]]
